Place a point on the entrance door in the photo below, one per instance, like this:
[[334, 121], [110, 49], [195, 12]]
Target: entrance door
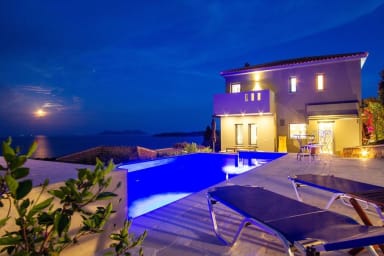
[[326, 136]]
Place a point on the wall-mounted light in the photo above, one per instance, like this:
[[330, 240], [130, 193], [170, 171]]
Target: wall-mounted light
[[257, 78], [364, 153]]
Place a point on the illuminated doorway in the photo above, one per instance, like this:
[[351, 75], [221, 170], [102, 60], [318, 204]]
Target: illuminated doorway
[[326, 136]]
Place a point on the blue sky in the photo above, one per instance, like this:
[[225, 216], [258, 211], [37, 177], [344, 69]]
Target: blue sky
[[154, 65]]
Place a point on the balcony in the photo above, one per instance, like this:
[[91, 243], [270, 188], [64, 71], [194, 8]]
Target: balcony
[[244, 103]]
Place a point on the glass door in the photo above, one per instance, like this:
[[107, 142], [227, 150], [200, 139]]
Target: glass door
[[326, 136]]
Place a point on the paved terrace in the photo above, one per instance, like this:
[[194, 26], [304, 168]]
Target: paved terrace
[[184, 227]]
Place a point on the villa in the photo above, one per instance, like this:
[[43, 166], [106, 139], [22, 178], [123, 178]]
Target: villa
[[276, 106]]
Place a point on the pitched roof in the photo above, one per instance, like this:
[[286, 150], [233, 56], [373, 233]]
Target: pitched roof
[[296, 61]]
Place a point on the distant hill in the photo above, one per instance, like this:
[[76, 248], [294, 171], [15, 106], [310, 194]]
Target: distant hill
[[127, 132], [163, 134], [179, 134]]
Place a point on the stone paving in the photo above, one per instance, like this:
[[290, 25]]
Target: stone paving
[[184, 227]]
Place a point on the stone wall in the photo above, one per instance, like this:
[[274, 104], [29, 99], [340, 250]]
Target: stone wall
[[118, 154]]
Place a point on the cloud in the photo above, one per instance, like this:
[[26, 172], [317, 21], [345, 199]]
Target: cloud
[[36, 89], [238, 25], [53, 105], [27, 98], [196, 31]]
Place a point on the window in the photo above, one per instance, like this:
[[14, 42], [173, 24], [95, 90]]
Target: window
[[252, 96], [258, 96], [292, 84], [320, 82], [296, 130], [252, 128], [246, 97], [235, 88], [239, 134]]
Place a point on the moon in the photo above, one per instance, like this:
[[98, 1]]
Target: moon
[[40, 113]]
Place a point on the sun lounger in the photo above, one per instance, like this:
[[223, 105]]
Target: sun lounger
[[344, 189], [296, 224]]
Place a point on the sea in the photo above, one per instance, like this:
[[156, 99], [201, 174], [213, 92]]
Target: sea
[[56, 146]]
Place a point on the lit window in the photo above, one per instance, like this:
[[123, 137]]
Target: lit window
[[296, 130], [292, 84], [246, 97], [239, 134], [252, 134], [235, 88], [320, 82], [252, 96], [258, 96]]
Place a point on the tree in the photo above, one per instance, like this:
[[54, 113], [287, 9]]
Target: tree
[[374, 119], [207, 136], [381, 88]]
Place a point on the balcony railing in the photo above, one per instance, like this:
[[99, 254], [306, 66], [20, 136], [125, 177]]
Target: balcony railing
[[244, 103]]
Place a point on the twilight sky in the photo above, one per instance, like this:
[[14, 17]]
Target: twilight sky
[[154, 65]]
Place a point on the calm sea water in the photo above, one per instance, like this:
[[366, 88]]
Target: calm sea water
[[55, 146]]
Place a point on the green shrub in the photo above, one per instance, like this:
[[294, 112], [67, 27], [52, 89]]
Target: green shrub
[[42, 227], [190, 148], [193, 148]]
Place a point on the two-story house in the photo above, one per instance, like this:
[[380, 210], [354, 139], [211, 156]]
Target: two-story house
[[277, 105]]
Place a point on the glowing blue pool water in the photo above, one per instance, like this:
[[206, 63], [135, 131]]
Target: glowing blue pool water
[[153, 184]]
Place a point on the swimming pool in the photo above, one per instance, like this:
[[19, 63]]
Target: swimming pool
[[153, 184]]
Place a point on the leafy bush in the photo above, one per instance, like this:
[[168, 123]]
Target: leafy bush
[[193, 147], [43, 225], [190, 148]]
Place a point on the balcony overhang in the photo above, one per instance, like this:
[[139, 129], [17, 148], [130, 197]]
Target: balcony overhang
[[243, 103], [349, 108], [245, 114]]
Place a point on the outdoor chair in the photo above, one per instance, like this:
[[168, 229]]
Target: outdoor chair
[[297, 225], [352, 193]]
